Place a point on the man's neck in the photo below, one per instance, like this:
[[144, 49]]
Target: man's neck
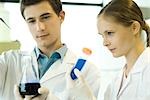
[[48, 50]]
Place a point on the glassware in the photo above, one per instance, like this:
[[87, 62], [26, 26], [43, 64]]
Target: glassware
[[29, 83]]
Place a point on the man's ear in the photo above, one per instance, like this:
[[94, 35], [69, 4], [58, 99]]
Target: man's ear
[[135, 27], [62, 16]]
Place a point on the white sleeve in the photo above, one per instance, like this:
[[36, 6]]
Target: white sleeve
[[3, 69]]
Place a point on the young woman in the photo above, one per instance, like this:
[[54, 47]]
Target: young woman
[[120, 23]]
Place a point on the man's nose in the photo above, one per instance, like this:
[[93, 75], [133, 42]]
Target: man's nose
[[40, 26]]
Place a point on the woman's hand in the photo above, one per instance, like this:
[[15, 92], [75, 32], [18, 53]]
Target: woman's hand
[[78, 89]]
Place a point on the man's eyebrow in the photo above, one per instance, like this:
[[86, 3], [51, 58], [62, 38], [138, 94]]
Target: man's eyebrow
[[30, 18], [45, 14]]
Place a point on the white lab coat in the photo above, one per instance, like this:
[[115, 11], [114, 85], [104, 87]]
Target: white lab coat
[[54, 79], [137, 85]]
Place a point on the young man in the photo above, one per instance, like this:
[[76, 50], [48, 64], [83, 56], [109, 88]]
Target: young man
[[44, 19]]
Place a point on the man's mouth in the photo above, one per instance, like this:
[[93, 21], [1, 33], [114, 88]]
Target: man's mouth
[[43, 35]]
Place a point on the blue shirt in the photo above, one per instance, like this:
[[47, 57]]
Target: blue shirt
[[44, 62]]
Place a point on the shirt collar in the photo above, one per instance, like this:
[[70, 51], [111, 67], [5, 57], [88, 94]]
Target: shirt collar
[[62, 51]]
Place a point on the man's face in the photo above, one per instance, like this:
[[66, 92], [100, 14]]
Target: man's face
[[44, 24]]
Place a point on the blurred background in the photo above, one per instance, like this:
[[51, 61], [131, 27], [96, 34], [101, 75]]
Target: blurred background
[[78, 31]]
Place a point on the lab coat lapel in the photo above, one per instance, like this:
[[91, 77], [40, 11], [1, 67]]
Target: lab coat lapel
[[59, 67], [125, 84], [118, 83], [55, 70], [137, 69], [35, 64]]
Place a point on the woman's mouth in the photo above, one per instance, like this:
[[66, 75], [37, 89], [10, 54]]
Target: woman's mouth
[[112, 50]]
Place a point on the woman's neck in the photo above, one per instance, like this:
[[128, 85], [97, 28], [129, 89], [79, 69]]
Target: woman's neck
[[132, 57]]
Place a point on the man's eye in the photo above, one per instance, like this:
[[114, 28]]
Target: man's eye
[[31, 21], [45, 17]]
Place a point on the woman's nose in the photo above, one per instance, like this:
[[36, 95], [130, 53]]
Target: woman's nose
[[106, 42]]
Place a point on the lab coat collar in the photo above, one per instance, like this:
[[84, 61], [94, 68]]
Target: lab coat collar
[[137, 69], [124, 84], [118, 83], [59, 68], [142, 59], [61, 51], [35, 64]]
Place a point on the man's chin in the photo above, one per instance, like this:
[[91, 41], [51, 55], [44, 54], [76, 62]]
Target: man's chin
[[116, 55]]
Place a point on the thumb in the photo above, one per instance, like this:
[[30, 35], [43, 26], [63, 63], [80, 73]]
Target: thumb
[[27, 97], [77, 72], [79, 75], [43, 94], [43, 90]]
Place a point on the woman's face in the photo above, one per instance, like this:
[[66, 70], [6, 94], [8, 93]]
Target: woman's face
[[116, 37]]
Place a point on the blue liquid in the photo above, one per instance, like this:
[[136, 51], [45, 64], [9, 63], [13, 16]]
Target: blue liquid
[[29, 88]]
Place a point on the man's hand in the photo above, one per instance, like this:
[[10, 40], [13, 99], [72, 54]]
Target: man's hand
[[42, 91]]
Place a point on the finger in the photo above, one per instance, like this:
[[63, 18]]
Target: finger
[[79, 75], [43, 94], [27, 97], [43, 90], [17, 93], [77, 72]]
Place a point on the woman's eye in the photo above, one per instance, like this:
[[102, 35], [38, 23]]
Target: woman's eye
[[110, 33]]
